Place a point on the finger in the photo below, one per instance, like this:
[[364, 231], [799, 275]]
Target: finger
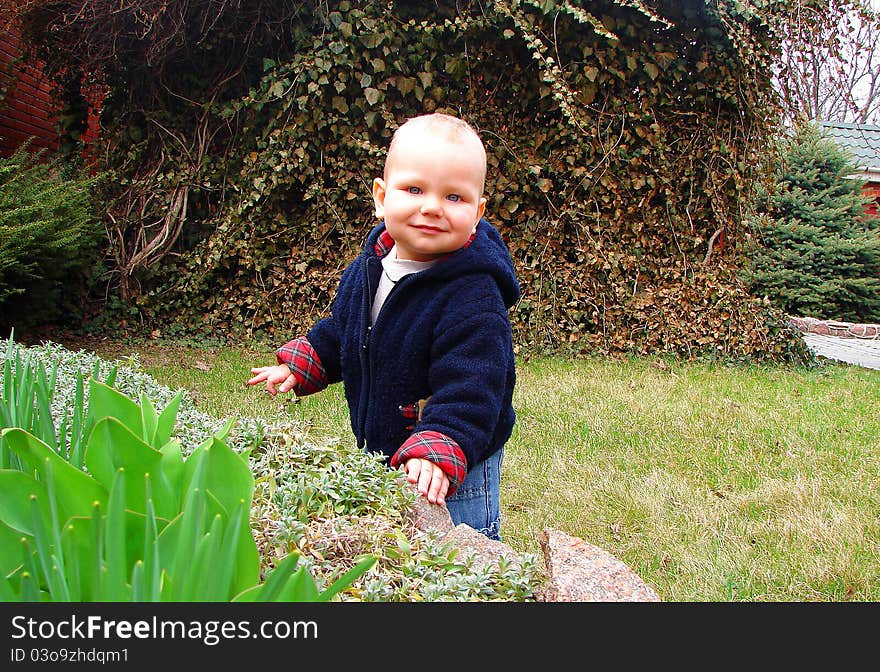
[[413, 467], [437, 480], [259, 375], [425, 477], [442, 489], [270, 387]]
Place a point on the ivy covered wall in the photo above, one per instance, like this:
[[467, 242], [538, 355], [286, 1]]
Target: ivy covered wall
[[624, 137]]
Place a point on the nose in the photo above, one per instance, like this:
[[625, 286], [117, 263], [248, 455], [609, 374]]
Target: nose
[[430, 205]]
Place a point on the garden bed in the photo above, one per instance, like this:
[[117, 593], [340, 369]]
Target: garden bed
[[327, 503]]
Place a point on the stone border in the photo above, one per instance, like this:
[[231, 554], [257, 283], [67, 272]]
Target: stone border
[[810, 325]]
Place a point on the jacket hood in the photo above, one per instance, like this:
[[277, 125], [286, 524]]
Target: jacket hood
[[486, 252]]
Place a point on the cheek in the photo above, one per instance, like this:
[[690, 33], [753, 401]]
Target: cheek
[[467, 217], [396, 203]]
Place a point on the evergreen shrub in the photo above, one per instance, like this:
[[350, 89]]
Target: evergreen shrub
[[49, 239], [815, 251]]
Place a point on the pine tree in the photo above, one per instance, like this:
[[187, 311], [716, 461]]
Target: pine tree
[[816, 252]]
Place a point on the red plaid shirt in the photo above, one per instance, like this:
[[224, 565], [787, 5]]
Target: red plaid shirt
[[304, 363]]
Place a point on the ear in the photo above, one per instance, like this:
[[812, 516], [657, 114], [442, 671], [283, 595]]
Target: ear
[[379, 197], [481, 208]]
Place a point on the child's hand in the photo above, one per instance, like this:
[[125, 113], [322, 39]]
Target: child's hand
[[431, 481], [278, 375]]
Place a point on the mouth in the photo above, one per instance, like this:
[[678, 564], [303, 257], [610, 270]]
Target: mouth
[[427, 228]]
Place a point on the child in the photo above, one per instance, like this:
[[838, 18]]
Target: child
[[419, 333]]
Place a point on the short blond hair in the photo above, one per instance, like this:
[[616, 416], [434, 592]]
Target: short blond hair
[[453, 128]]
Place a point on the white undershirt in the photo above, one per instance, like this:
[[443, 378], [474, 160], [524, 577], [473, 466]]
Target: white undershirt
[[393, 269]]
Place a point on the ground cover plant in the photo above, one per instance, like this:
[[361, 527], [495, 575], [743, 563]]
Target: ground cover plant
[[290, 519], [714, 482]]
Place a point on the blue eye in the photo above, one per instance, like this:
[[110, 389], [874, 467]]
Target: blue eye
[[414, 190], [454, 197]]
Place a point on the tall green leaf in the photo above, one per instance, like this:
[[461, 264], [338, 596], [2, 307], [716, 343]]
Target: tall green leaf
[[104, 401], [115, 547], [112, 446], [149, 421], [166, 420], [77, 491]]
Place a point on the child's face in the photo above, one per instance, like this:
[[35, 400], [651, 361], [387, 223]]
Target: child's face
[[431, 195]]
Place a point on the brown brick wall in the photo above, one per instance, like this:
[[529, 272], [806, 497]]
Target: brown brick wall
[[28, 109], [872, 189]]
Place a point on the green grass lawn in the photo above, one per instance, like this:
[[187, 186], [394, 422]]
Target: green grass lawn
[[712, 482]]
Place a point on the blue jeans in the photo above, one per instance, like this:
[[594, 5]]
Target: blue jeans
[[477, 500]]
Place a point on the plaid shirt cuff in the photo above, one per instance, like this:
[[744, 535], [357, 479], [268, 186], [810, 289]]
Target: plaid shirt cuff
[[439, 449], [304, 363]]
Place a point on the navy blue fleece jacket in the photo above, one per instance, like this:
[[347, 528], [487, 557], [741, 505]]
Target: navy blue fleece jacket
[[443, 334]]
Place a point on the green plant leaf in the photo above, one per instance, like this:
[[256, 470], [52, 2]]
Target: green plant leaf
[[299, 587], [172, 471], [16, 490], [7, 592], [43, 427], [55, 524], [228, 557], [223, 433], [225, 476], [104, 401], [201, 588], [149, 421], [79, 428], [246, 562], [45, 551], [138, 582], [167, 550], [344, 581], [113, 446], [268, 591], [76, 490], [10, 554], [167, 418], [192, 524], [30, 589], [78, 540], [73, 547], [151, 569], [114, 545]]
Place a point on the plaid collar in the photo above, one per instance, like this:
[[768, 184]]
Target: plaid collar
[[385, 242]]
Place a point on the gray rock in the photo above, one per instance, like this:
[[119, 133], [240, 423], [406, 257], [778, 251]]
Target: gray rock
[[486, 551], [575, 570], [426, 516], [580, 572]]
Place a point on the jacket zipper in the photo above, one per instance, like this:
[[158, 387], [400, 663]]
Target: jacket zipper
[[366, 364], [366, 356]]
